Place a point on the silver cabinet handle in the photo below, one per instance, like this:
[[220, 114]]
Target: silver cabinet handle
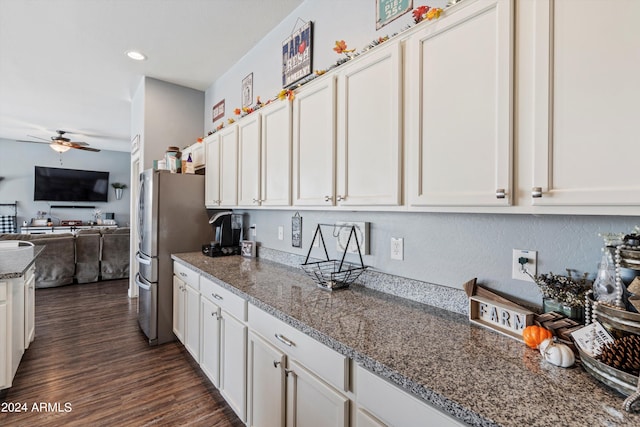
[[276, 363], [340, 198], [328, 198], [257, 200], [215, 314], [183, 274], [501, 193], [536, 192], [285, 340], [216, 296]]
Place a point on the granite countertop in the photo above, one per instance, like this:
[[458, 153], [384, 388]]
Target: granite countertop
[[15, 261], [479, 376]]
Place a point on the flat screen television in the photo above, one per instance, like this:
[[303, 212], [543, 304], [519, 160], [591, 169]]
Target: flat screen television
[[70, 185]]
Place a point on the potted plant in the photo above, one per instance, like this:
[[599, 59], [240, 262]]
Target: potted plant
[[564, 294], [118, 187]]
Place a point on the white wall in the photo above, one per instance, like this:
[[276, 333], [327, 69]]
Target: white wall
[[17, 163], [445, 249]]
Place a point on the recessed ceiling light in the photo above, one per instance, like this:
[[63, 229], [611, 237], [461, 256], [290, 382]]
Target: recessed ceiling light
[[134, 54]]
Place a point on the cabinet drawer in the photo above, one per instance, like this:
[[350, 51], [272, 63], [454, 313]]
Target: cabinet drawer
[[188, 276], [394, 406], [328, 364], [227, 300]]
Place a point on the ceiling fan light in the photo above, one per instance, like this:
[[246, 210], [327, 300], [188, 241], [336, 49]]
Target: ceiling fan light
[[135, 55], [59, 148]]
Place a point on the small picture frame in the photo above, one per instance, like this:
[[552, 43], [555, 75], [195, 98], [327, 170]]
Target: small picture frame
[[247, 91], [248, 248]]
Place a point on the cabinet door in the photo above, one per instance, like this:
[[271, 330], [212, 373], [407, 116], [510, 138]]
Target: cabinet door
[[178, 308], [228, 166], [314, 142], [210, 340], [459, 111], [233, 364], [249, 161], [276, 154], [587, 86], [197, 155], [192, 322], [266, 383], [365, 419], [369, 129], [311, 402], [16, 308], [5, 348], [212, 173], [29, 307]]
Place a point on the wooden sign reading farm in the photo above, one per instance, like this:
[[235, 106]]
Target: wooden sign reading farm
[[502, 318]]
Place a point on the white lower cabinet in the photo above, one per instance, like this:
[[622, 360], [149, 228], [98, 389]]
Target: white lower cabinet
[[186, 316], [265, 383], [29, 306], [192, 322], [178, 308], [16, 323], [382, 403], [210, 340], [233, 363], [313, 403], [307, 399]]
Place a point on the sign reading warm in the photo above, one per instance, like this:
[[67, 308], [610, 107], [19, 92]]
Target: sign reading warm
[[296, 55], [502, 318]]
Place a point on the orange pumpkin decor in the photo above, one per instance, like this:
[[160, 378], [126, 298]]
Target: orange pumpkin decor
[[534, 335]]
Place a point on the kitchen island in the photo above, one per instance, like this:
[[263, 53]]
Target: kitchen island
[[473, 374], [17, 307]]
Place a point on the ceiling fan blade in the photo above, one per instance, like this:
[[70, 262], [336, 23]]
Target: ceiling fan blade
[[36, 137], [85, 148], [72, 143], [32, 142]]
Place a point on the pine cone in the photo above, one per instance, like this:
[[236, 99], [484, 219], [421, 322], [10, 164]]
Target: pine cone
[[622, 354]]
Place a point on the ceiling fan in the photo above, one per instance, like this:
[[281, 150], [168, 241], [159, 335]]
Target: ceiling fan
[[60, 143]]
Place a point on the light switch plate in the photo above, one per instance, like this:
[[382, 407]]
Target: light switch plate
[[342, 230]]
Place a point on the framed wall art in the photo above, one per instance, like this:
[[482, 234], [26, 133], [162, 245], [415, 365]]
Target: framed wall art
[[218, 111], [247, 91], [389, 10], [297, 54]]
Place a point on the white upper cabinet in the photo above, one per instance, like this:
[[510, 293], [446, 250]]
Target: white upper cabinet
[[228, 140], [459, 109], [369, 129], [314, 143], [249, 160], [221, 176], [586, 87], [276, 154], [212, 173]]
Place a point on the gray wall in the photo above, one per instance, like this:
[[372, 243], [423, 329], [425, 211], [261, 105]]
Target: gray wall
[[17, 163], [449, 249], [165, 114]]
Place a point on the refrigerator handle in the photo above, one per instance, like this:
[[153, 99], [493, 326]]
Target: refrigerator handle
[[140, 284], [141, 260]]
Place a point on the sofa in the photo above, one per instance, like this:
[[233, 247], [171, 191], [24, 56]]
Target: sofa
[[84, 257]]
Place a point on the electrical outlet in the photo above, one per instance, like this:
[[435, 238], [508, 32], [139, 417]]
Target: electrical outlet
[[397, 248], [531, 264], [280, 232], [343, 229], [253, 230]]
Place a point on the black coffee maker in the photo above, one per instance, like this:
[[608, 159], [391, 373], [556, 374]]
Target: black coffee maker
[[227, 233]]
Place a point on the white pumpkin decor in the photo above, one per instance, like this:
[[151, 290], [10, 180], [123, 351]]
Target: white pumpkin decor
[[557, 354]]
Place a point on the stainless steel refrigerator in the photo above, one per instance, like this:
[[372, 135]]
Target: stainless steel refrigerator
[[172, 219]]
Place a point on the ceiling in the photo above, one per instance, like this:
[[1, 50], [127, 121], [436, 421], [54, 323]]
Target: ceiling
[[63, 63]]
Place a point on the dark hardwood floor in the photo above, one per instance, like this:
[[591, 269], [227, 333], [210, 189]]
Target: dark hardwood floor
[[90, 365]]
